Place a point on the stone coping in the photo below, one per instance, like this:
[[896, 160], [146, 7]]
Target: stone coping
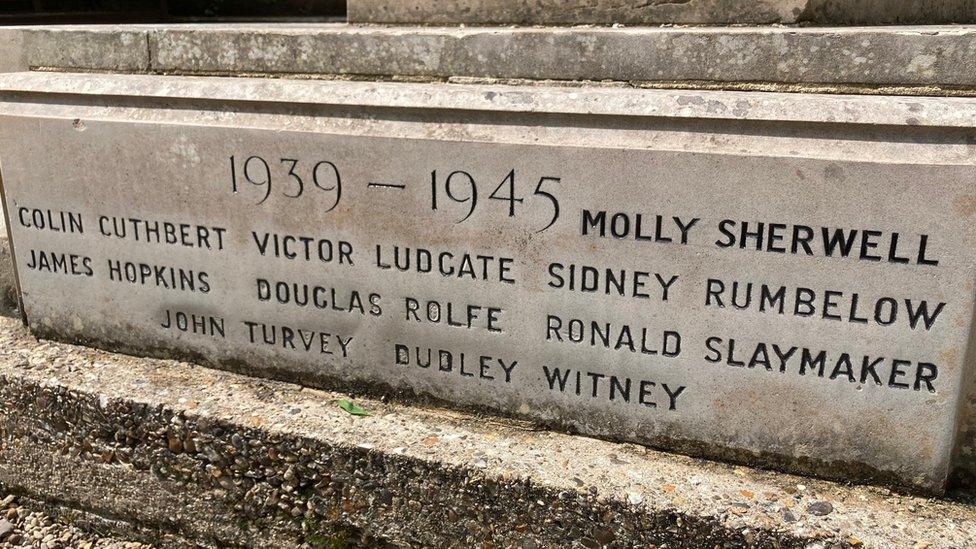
[[600, 101], [920, 59], [223, 458]]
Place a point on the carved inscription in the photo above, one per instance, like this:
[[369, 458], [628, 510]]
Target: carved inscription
[[737, 295]]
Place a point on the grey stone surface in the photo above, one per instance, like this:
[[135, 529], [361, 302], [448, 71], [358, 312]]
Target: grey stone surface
[[650, 12], [217, 458], [11, 50], [706, 165], [8, 281], [922, 59], [874, 12], [575, 12], [951, 112], [9, 303], [92, 47], [909, 57]]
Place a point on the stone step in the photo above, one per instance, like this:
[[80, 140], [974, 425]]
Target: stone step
[[181, 452]]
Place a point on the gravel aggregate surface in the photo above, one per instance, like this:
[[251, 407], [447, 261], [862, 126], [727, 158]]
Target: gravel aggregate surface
[[220, 459], [23, 527]]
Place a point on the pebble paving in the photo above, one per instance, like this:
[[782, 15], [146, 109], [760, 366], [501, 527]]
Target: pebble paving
[[23, 527]]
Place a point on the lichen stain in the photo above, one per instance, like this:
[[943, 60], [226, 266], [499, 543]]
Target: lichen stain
[[186, 152], [922, 65], [965, 205], [950, 356], [833, 172]]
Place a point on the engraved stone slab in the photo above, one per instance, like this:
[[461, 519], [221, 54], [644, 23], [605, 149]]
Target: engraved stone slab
[[789, 293]]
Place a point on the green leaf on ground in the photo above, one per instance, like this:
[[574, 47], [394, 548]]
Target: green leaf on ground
[[352, 408]]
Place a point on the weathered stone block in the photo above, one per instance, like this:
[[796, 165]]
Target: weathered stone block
[[94, 47], [887, 12], [924, 59], [575, 12], [773, 279], [655, 12], [11, 50], [915, 56]]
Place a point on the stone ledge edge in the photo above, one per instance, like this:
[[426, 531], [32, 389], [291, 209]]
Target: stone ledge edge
[[922, 60], [593, 101]]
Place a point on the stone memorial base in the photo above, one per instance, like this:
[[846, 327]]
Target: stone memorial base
[[733, 275], [177, 453]]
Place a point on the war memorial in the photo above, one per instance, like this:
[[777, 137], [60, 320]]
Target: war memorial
[[492, 273]]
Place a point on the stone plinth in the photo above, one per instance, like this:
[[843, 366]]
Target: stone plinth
[[750, 277]]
